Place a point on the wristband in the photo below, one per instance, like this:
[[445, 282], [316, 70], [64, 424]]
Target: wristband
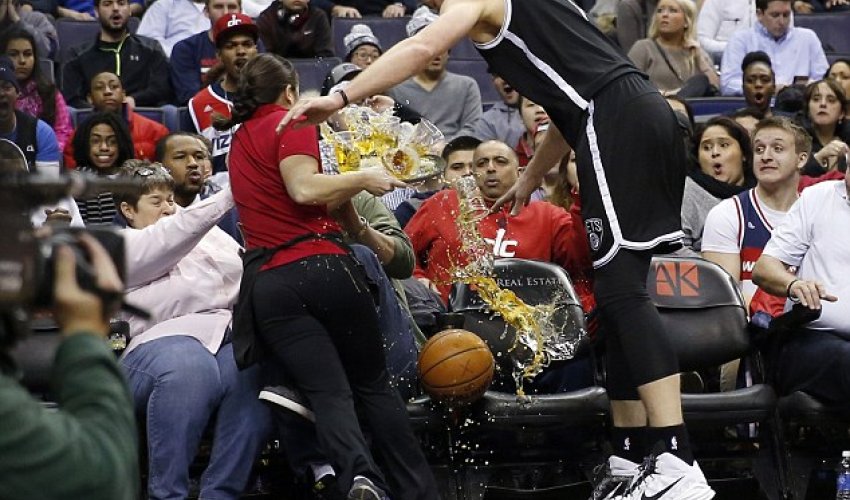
[[343, 95], [788, 291]]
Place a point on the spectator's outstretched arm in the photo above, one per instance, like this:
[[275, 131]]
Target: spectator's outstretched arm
[[772, 275], [731, 76], [396, 251], [88, 448]]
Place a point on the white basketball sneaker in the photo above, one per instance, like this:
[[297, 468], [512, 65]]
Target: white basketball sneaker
[[612, 477], [667, 477]]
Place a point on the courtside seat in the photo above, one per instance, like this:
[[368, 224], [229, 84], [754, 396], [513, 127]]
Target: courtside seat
[[546, 410], [706, 320]]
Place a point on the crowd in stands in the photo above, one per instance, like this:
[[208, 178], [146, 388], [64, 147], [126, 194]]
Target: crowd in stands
[[777, 166]]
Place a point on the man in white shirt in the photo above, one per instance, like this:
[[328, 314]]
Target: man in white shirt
[[814, 238], [169, 21]]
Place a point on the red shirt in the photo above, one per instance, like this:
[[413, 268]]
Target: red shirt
[[541, 231], [268, 215]]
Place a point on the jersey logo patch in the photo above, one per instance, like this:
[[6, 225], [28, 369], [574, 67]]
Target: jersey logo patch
[[595, 230]]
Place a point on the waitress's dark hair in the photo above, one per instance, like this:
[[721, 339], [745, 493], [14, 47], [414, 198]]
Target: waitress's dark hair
[[46, 90], [261, 81]]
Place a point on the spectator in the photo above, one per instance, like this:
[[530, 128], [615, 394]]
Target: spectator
[[458, 156], [362, 46], [451, 102], [180, 365], [795, 52], [633, 20], [294, 29], [193, 58], [236, 44], [39, 97], [825, 103], [533, 118], [811, 6], [169, 21], [342, 73], [102, 144], [724, 169], [840, 72], [139, 61], [308, 299], [107, 95], [759, 81], [360, 8], [671, 55], [718, 20], [184, 155], [85, 448], [35, 138], [738, 228], [14, 18], [87, 10], [541, 231], [502, 122], [813, 238]]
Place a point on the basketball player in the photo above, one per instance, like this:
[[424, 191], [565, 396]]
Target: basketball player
[[631, 167]]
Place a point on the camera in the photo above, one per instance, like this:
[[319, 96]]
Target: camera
[[26, 255]]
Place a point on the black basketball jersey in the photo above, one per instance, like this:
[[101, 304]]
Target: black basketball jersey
[[552, 54]]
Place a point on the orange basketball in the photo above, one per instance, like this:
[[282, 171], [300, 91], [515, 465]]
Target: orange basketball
[[455, 366]]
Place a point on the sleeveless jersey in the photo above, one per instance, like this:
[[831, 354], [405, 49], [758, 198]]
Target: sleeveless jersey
[[552, 54], [210, 100], [754, 231]]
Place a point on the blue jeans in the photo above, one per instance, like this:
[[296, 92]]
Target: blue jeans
[[177, 387]]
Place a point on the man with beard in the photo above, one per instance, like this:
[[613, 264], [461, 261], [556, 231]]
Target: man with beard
[[502, 122], [138, 61], [183, 154], [451, 102], [107, 94], [236, 43]]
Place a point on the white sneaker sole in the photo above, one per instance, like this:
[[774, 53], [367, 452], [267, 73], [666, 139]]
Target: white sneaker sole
[[288, 404]]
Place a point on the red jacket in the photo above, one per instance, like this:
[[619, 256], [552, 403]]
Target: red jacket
[[541, 231], [145, 132]]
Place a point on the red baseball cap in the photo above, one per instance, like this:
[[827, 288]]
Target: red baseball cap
[[234, 23]]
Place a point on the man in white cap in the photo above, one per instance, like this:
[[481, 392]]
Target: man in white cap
[[451, 102]]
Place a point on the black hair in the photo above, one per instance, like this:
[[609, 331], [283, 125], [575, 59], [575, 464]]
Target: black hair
[[261, 81], [45, 88], [162, 144], [740, 134], [82, 146], [757, 56], [460, 143], [762, 4], [844, 60], [751, 111]]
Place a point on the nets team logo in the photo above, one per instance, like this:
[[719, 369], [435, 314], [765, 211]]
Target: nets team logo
[[594, 232]]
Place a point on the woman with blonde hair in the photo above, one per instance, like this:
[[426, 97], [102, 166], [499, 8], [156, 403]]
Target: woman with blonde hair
[[671, 55]]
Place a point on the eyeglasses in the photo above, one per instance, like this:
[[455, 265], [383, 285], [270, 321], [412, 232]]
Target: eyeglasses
[[146, 171]]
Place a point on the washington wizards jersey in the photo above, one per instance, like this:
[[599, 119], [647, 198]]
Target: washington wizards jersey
[[551, 53], [754, 232]]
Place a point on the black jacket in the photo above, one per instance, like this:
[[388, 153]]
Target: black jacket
[[138, 60], [308, 37]]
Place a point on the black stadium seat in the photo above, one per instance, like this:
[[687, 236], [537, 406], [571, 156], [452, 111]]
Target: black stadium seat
[[312, 72], [833, 29]]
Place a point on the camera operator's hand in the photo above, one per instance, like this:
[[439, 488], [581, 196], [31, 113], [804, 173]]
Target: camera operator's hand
[[79, 311]]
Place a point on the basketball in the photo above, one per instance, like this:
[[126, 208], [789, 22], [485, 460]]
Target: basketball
[[456, 367]]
